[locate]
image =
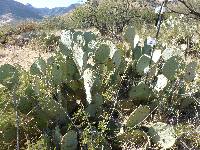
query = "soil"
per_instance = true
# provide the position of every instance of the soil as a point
(23, 56)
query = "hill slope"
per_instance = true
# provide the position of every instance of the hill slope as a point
(11, 11)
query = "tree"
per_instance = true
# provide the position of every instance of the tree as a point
(111, 16)
(189, 8)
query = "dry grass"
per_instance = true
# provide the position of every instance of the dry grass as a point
(23, 56)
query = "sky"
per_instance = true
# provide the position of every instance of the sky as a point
(50, 3)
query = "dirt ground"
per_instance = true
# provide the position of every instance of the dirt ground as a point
(24, 56)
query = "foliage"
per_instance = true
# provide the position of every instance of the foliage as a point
(96, 93)
(111, 17)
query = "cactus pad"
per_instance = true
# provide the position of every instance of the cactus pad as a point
(137, 52)
(167, 53)
(38, 67)
(147, 48)
(190, 72)
(138, 115)
(102, 54)
(143, 63)
(172, 67)
(129, 34)
(66, 38)
(140, 93)
(69, 141)
(8, 76)
(162, 134)
(88, 77)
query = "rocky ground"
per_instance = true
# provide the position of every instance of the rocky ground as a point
(24, 56)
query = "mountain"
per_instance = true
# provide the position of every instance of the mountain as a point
(12, 11)
(56, 11)
(18, 10)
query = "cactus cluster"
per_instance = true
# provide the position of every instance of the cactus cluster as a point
(81, 75)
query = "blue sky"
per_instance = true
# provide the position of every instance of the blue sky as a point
(49, 3)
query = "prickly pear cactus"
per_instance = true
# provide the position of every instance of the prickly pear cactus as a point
(25, 105)
(137, 116)
(9, 76)
(129, 35)
(140, 93)
(69, 141)
(143, 64)
(38, 67)
(162, 134)
(67, 39)
(167, 53)
(95, 106)
(172, 67)
(102, 54)
(161, 82)
(78, 38)
(190, 71)
(57, 135)
(8, 130)
(56, 74)
(137, 52)
(89, 36)
(52, 109)
(88, 77)
(147, 48)
(78, 54)
(115, 54)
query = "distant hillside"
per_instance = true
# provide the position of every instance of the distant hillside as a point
(12, 11)
(56, 11)
(18, 10)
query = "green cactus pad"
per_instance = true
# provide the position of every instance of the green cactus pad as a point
(143, 63)
(69, 141)
(79, 39)
(8, 76)
(129, 34)
(137, 116)
(117, 58)
(146, 49)
(89, 36)
(91, 110)
(95, 106)
(75, 36)
(49, 110)
(171, 67)
(7, 130)
(25, 105)
(162, 134)
(190, 72)
(29, 91)
(50, 60)
(38, 67)
(102, 54)
(140, 93)
(137, 52)
(70, 69)
(56, 73)
(57, 135)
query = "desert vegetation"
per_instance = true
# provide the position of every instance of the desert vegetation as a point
(112, 74)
